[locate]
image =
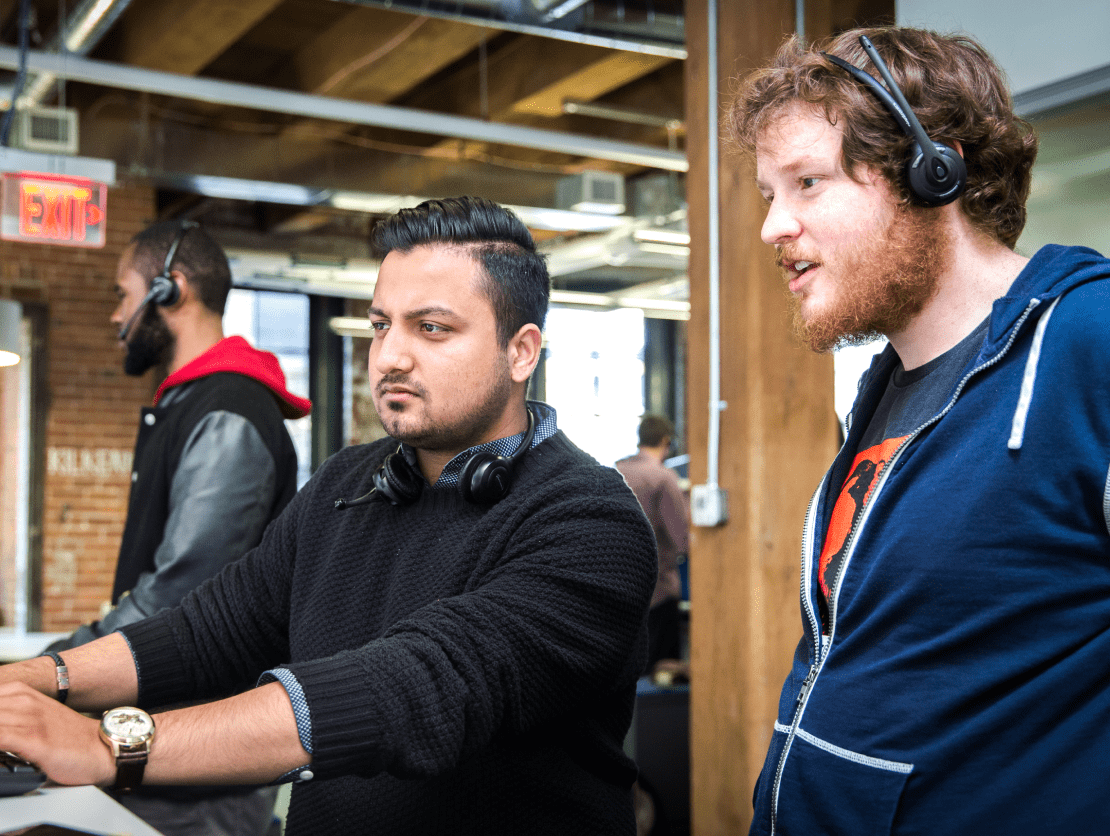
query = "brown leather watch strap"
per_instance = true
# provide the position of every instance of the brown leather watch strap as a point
(129, 770)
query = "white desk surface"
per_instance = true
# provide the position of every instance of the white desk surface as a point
(82, 808)
(16, 646)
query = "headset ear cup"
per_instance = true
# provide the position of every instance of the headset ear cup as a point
(485, 478)
(936, 187)
(397, 481)
(164, 291)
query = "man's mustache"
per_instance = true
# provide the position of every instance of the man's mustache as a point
(398, 381)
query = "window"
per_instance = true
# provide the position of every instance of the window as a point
(278, 322)
(594, 377)
(17, 483)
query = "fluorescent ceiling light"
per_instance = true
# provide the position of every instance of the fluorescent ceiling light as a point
(599, 208)
(665, 249)
(662, 236)
(652, 308)
(233, 188)
(564, 220)
(351, 326)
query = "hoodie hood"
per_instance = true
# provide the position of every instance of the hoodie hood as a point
(236, 355)
(1034, 295)
(1045, 280)
(1052, 272)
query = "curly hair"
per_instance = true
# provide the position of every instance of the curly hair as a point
(955, 89)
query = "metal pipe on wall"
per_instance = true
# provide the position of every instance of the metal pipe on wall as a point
(709, 502)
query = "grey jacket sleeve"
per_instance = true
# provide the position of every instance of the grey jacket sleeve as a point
(220, 501)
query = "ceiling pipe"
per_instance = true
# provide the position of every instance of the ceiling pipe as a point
(274, 100)
(491, 13)
(83, 29)
(622, 114)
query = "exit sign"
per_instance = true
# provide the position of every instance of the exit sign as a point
(53, 210)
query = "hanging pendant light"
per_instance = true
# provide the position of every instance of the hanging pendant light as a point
(10, 315)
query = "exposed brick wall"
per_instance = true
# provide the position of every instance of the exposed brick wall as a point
(92, 413)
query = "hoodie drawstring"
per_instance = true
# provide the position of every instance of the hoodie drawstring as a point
(1028, 381)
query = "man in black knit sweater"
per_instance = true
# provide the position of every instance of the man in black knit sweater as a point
(445, 627)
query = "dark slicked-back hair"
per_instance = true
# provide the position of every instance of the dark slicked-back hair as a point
(654, 429)
(952, 84)
(515, 276)
(198, 257)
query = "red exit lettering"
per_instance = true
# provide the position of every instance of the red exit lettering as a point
(53, 210)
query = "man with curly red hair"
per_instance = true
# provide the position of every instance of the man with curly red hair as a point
(952, 676)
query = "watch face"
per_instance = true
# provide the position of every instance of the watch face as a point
(128, 724)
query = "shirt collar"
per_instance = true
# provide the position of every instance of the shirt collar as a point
(449, 477)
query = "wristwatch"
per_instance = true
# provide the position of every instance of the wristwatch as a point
(128, 732)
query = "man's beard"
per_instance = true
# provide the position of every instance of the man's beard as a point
(465, 432)
(151, 344)
(882, 284)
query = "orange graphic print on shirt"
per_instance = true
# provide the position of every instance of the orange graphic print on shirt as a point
(866, 469)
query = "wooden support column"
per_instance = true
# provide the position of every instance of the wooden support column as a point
(778, 434)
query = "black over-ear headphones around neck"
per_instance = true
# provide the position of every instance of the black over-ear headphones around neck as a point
(163, 289)
(935, 173)
(485, 478)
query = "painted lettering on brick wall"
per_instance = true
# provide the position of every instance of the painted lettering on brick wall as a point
(82, 461)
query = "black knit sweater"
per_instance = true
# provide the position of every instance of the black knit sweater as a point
(469, 670)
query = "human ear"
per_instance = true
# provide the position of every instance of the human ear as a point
(524, 352)
(184, 291)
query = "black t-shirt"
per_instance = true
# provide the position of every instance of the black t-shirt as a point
(911, 399)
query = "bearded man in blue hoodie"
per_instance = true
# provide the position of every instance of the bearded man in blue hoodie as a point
(953, 673)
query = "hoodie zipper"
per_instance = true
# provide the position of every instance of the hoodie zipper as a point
(822, 648)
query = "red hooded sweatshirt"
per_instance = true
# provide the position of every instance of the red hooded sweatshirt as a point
(235, 354)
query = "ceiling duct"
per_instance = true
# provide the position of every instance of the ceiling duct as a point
(591, 191)
(49, 130)
(636, 243)
(82, 31)
(342, 110)
(656, 196)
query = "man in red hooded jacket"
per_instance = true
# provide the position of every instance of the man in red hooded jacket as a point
(213, 465)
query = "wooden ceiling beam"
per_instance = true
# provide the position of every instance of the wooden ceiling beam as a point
(604, 76)
(368, 55)
(522, 90)
(515, 73)
(8, 9)
(644, 84)
(376, 55)
(185, 37)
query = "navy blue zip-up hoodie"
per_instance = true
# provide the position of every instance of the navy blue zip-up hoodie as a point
(964, 687)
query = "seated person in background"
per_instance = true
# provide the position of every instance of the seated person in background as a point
(656, 487)
(447, 625)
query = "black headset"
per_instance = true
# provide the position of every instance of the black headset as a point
(935, 173)
(485, 478)
(163, 290)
